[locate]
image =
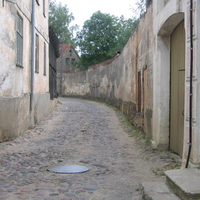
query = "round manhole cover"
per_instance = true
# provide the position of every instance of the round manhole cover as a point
(69, 169)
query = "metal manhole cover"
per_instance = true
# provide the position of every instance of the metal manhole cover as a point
(69, 169)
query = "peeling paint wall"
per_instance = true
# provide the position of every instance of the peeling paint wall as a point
(15, 114)
(11, 78)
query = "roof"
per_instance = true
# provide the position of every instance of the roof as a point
(64, 47)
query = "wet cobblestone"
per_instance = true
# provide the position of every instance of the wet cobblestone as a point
(78, 132)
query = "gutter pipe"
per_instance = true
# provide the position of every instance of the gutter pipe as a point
(61, 68)
(191, 89)
(32, 53)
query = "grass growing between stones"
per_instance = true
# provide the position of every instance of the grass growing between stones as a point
(169, 159)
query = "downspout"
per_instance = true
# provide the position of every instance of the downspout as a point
(32, 53)
(61, 68)
(191, 90)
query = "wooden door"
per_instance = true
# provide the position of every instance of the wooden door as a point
(177, 89)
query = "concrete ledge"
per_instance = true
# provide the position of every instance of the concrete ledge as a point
(185, 183)
(157, 191)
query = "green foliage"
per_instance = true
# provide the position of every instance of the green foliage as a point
(125, 30)
(60, 19)
(139, 9)
(101, 36)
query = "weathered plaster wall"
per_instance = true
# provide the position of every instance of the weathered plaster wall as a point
(167, 15)
(126, 82)
(15, 114)
(41, 81)
(13, 79)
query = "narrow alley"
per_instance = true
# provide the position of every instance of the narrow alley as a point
(86, 133)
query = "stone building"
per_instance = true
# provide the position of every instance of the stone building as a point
(155, 80)
(66, 63)
(24, 72)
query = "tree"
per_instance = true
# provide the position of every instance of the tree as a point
(101, 36)
(125, 30)
(140, 8)
(60, 19)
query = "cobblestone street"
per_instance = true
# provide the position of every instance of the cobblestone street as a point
(80, 132)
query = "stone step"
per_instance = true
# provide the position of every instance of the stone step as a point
(157, 191)
(185, 183)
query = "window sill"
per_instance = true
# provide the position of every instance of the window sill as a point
(18, 65)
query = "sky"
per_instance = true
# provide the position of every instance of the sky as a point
(82, 10)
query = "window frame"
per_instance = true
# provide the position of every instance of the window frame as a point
(36, 53)
(44, 8)
(19, 40)
(67, 61)
(45, 59)
(73, 61)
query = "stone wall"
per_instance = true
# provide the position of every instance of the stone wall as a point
(126, 82)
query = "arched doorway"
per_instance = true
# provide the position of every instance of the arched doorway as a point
(162, 83)
(177, 88)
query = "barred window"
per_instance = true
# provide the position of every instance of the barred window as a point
(45, 58)
(37, 53)
(19, 41)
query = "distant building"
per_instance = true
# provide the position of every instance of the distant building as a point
(66, 63)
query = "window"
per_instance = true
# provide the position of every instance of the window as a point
(45, 59)
(19, 41)
(37, 54)
(73, 61)
(67, 61)
(44, 8)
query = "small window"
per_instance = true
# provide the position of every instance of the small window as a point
(67, 61)
(19, 41)
(45, 59)
(38, 2)
(44, 8)
(37, 53)
(73, 61)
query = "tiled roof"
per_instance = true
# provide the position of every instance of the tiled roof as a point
(64, 47)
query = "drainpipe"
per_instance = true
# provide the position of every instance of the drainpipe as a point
(32, 54)
(191, 90)
(61, 67)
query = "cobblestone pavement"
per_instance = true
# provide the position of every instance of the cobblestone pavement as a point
(84, 133)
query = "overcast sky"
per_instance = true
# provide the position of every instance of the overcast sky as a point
(82, 10)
